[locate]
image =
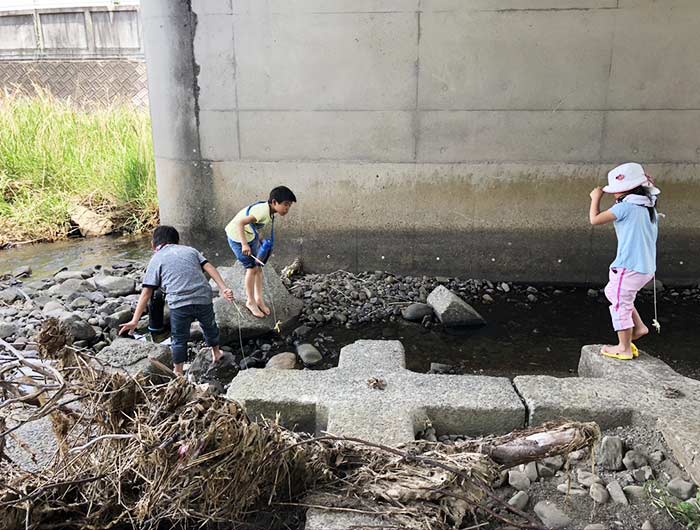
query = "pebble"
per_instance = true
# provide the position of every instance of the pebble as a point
(309, 354)
(634, 459)
(599, 494)
(587, 479)
(487, 299)
(635, 493)
(647, 525)
(566, 489)
(681, 488)
(518, 480)
(616, 493)
(610, 455)
(519, 500)
(551, 515)
(595, 526)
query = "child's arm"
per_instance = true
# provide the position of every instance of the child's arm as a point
(225, 291)
(130, 326)
(594, 214)
(245, 247)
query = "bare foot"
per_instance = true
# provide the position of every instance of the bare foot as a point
(263, 307)
(618, 351)
(639, 332)
(215, 359)
(253, 308)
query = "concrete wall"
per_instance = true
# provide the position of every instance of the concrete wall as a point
(454, 137)
(89, 53)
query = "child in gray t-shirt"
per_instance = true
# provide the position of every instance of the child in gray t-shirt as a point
(179, 271)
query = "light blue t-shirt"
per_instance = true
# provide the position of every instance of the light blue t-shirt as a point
(636, 238)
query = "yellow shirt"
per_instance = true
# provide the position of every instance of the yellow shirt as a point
(261, 212)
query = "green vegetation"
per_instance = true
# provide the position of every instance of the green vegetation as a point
(54, 155)
(686, 513)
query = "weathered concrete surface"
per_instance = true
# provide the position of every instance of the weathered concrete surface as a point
(234, 319)
(612, 393)
(343, 400)
(481, 128)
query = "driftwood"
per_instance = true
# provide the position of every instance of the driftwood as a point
(134, 454)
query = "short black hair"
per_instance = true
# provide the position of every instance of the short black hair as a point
(282, 194)
(165, 235)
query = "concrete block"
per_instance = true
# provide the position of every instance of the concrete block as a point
(652, 68)
(324, 6)
(507, 136)
(326, 135)
(180, 193)
(548, 60)
(658, 136)
(218, 132)
(215, 58)
(212, 7)
(326, 61)
(514, 5)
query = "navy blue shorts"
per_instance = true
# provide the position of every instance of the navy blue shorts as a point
(181, 319)
(247, 261)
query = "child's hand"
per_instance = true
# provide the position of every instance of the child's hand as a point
(227, 294)
(597, 193)
(246, 249)
(129, 326)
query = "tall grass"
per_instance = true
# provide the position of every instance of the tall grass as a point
(54, 154)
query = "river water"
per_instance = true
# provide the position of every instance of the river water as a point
(541, 338)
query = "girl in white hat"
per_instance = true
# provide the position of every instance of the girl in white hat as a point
(636, 225)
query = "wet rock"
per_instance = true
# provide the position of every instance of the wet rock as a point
(7, 329)
(505, 287)
(616, 493)
(309, 354)
(451, 310)
(251, 361)
(636, 493)
(202, 370)
(79, 329)
(634, 459)
(551, 515)
(519, 500)
(302, 331)
(487, 299)
(283, 361)
(115, 285)
(518, 480)
(416, 312)
(599, 494)
(610, 455)
(133, 355)
(680, 488)
(439, 368)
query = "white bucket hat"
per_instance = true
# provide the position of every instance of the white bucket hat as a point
(628, 176)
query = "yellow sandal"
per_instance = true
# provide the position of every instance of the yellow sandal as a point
(615, 355)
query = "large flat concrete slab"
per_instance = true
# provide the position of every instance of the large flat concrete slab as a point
(372, 396)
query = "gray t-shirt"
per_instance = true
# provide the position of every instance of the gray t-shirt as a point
(177, 270)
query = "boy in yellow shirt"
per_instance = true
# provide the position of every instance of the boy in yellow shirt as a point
(244, 239)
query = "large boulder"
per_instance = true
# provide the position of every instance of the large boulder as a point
(232, 317)
(90, 223)
(451, 310)
(70, 288)
(115, 285)
(133, 355)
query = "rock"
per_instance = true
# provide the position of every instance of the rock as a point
(10, 294)
(70, 287)
(530, 470)
(416, 312)
(519, 500)
(69, 275)
(232, 317)
(310, 356)
(599, 494)
(587, 479)
(566, 489)
(202, 370)
(80, 303)
(51, 307)
(531, 298)
(643, 474)
(647, 525)
(680, 488)
(634, 459)
(505, 287)
(616, 493)
(251, 361)
(7, 329)
(657, 457)
(518, 480)
(120, 317)
(487, 299)
(595, 526)
(575, 456)
(283, 361)
(439, 368)
(78, 328)
(636, 493)
(301, 331)
(610, 455)
(115, 285)
(132, 355)
(451, 310)
(551, 515)
(592, 293)
(22, 272)
(90, 223)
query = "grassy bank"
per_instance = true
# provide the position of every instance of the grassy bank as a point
(54, 155)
